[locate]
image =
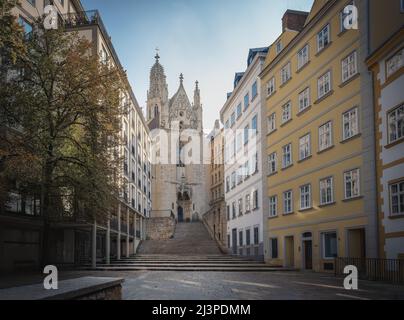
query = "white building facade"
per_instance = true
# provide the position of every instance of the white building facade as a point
(244, 193)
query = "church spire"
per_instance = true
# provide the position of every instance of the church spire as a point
(197, 95)
(181, 78)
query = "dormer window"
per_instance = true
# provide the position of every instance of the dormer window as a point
(279, 47)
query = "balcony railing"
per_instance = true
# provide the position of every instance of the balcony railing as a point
(389, 270)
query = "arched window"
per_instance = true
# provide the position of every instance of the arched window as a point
(156, 110)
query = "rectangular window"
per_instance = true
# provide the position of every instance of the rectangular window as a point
(327, 191)
(272, 123)
(323, 38)
(395, 63)
(287, 156)
(288, 202)
(247, 203)
(397, 198)
(273, 206)
(274, 248)
(227, 184)
(247, 170)
(254, 125)
(254, 90)
(286, 112)
(349, 67)
(325, 136)
(273, 163)
(305, 197)
(303, 57)
(228, 212)
(239, 111)
(285, 73)
(248, 237)
(246, 101)
(233, 180)
(324, 84)
(330, 245)
(256, 235)
(352, 184)
(233, 119)
(240, 172)
(305, 147)
(246, 134)
(271, 87)
(343, 16)
(233, 209)
(350, 124)
(255, 200)
(279, 47)
(304, 99)
(240, 207)
(396, 124)
(240, 238)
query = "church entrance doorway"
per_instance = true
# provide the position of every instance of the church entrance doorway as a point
(180, 214)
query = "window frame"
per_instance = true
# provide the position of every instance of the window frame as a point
(331, 200)
(308, 155)
(273, 206)
(389, 113)
(323, 148)
(349, 121)
(273, 163)
(320, 33)
(271, 88)
(271, 123)
(345, 63)
(286, 71)
(398, 194)
(290, 146)
(300, 63)
(323, 85)
(350, 172)
(288, 209)
(287, 107)
(303, 94)
(323, 238)
(310, 197)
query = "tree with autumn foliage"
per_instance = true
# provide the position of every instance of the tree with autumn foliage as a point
(62, 109)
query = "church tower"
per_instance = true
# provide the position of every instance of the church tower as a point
(178, 184)
(157, 97)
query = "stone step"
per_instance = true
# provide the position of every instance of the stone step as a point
(225, 263)
(191, 268)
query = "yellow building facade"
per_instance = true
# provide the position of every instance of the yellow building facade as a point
(315, 166)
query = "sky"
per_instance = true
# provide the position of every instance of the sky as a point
(206, 40)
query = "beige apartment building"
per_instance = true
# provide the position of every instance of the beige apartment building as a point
(215, 219)
(77, 242)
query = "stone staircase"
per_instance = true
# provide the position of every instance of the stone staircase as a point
(191, 249)
(189, 239)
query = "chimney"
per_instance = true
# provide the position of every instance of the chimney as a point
(294, 20)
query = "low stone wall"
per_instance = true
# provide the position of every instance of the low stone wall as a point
(160, 228)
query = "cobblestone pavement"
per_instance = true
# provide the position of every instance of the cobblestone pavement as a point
(146, 285)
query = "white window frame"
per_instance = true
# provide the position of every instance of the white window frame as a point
(305, 147)
(287, 154)
(273, 206)
(355, 185)
(395, 63)
(396, 194)
(303, 57)
(324, 84)
(287, 112)
(271, 87)
(327, 189)
(288, 202)
(304, 193)
(350, 123)
(248, 203)
(394, 122)
(273, 163)
(323, 36)
(286, 73)
(272, 123)
(349, 66)
(321, 135)
(304, 99)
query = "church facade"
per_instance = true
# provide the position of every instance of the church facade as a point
(179, 167)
